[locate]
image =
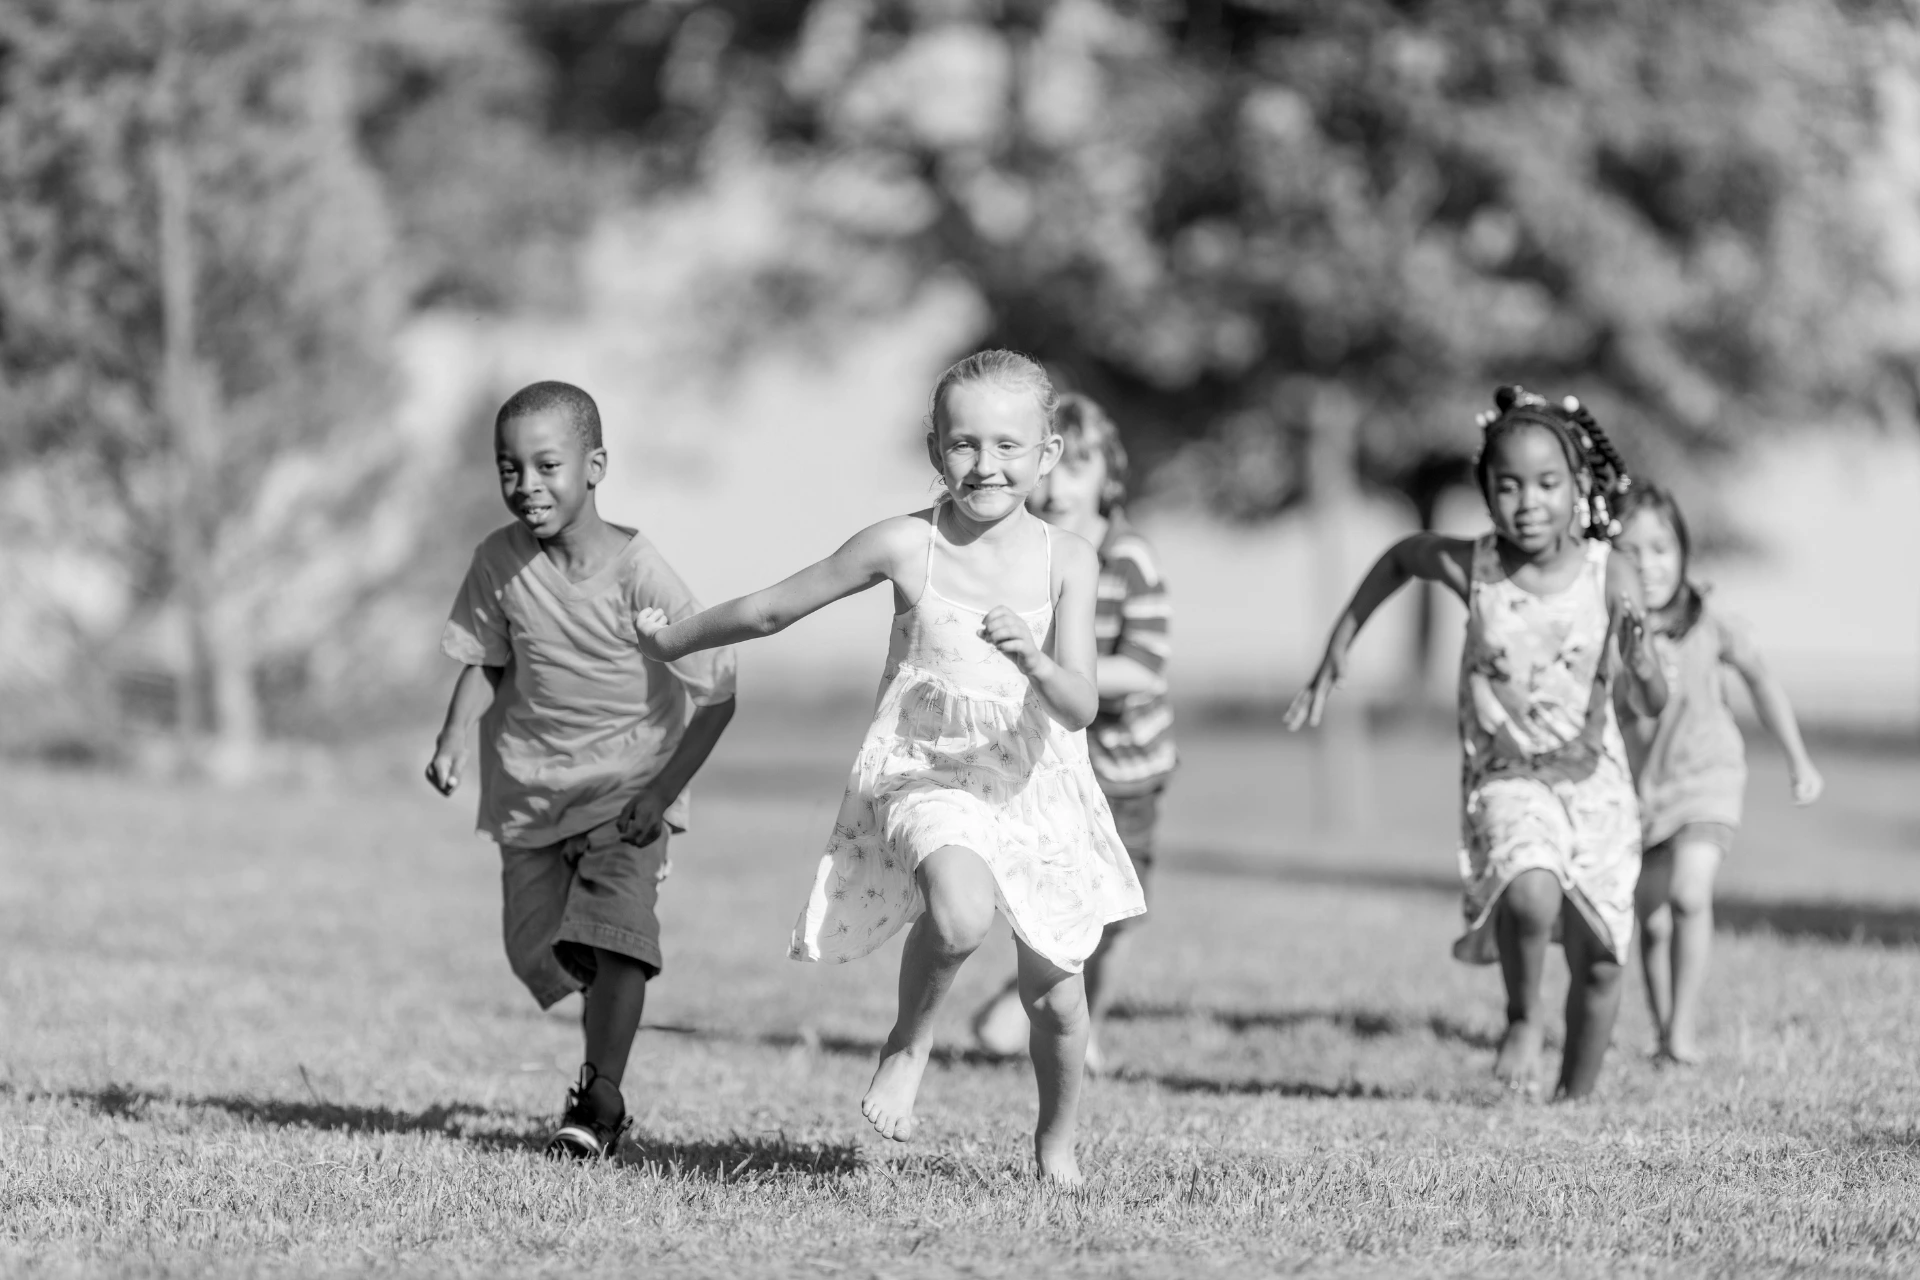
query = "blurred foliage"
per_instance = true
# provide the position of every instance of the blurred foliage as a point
(1234, 219)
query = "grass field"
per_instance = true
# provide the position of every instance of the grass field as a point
(270, 1032)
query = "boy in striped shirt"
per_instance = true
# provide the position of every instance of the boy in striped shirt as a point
(1131, 739)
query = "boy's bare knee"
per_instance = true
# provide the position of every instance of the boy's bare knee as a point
(1691, 898)
(1657, 924)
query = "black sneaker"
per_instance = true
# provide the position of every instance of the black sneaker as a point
(588, 1131)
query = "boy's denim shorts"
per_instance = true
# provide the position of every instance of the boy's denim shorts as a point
(562, 900)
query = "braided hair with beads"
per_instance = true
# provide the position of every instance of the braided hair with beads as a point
(1589, 452)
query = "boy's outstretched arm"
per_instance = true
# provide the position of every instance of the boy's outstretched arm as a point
(866, 560)
(641, 818)
(1427, 556)
(472, 695)
(1738, 650)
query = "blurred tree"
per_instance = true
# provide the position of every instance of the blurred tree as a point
(193, 336)
(1211, 213)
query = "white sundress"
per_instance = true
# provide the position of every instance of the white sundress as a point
(963, 751)
(1544, 780)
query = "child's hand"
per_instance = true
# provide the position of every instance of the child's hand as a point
(639, 823)
(448, 763)
(1005, 630)
(650, 623)
(1311, 701)
(1807, 782)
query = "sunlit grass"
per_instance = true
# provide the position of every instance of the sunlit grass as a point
(272, 1032)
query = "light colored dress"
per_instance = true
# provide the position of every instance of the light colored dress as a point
(963, 751)
(1690, 761)
(1544, 778)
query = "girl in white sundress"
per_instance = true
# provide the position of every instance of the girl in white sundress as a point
(973, 790)
(1550, 828)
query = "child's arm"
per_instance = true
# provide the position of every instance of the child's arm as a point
(1646, 684)
(1427, 556)
(472, 695)
(1738, 650)
(640, 820)
(869, 558)
(1065, 680)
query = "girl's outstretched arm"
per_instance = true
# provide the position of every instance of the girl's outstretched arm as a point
(867, 559)
(1738, 650)
(1066, 678)
(1427, 556)
(1646, 684)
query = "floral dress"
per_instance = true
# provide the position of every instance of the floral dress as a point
(1544, 778)
(963, 751)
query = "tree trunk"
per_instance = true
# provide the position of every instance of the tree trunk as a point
(1341, 756)
(218, 719)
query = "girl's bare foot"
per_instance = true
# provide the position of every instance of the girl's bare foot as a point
(888, 1105)
(1678, 1055)
(1057, 1168)
(1517, 1064)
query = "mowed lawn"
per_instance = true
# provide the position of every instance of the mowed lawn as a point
(271, 1031)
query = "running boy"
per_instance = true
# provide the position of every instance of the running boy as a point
(586, 747)
(1131, 739)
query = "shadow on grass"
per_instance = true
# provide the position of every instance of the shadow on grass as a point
(1346, 1089)
(731, 1159)
(1827, 921)
(448, 1120)
(1363, 1024)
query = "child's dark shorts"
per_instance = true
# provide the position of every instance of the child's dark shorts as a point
(1136, 819)
(562, 900)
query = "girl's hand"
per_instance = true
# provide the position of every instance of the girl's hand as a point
(1004, 629)
(1807, 782)
(449, 761)
(1311, 701)
(650, 623)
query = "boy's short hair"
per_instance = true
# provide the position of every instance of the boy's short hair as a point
(1084, 425)
(583, 415)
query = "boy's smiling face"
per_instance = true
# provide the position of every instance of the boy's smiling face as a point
(547, 472)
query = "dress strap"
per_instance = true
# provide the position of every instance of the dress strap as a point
(1047, 582)
(933, 534)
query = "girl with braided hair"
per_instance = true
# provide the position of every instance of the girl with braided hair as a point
(1550, 829)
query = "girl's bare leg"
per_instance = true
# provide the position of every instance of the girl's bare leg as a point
(959, 893)
(1056, 1004)
(1593, 1000)
(1656, 936)
(997, 1021)
(1523, 928)
(1690, 902)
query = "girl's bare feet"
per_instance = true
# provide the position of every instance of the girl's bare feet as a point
(1517, 1065)
(1057, 1168)
(888, 1105)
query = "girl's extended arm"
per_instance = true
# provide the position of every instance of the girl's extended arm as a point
(1738, 650)
(866, 560)
(1646, 684)
(1064, 679)
(1427, 556)
(472, 694)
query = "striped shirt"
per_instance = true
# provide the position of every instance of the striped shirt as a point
(1131, 739)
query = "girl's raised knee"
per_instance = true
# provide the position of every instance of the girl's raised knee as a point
(1533, 898)
(960, 922)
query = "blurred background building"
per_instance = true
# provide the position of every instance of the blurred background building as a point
(267, 266)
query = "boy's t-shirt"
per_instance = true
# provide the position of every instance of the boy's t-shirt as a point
(581, 720)
(1131, 738)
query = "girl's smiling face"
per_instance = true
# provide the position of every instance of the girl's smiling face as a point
(1654, 548)
(991, 445)
(1530, 488)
